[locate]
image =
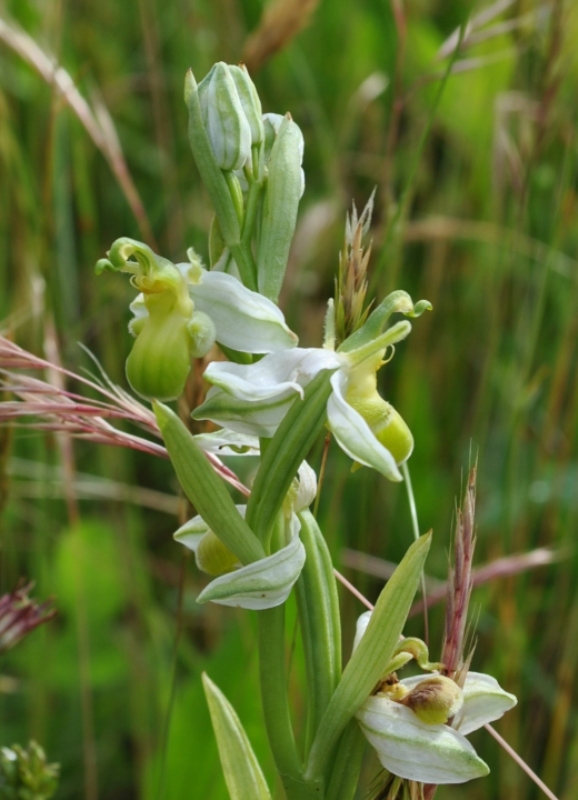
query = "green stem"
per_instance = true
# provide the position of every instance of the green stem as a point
(236, 194)
(347, 764)
(273, 679)
(241, 252)
(252, 206)
(415, 526)
(319, 621)
(287, 449)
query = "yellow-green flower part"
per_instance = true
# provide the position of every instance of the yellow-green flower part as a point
(384, 421)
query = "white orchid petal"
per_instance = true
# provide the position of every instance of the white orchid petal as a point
(245, 417)
(412, 749)
(228, 443)
(138, 307)
(307, 491)
(254, 398)
(189, 539)
(484, 701)
(263, 584)
(354, 435)
(273, 374)
(250, 382)
(244, 320)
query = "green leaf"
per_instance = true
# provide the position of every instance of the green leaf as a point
(205, 489)
(285, 452)
(367, 664)
(240, 766)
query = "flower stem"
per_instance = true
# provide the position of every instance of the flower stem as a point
(273, 679)
(319, 621)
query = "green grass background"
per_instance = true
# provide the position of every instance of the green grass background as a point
(489, 234)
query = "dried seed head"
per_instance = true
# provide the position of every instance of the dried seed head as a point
(351, 283)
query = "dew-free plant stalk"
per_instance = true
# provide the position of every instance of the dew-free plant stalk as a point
(275, 399)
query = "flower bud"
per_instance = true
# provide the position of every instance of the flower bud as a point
(271, 124)
(250, 101)
(225, 121)
(213, 557)
(434, 700)
(279, 209)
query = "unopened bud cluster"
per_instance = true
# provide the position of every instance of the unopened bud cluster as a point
(25, 773)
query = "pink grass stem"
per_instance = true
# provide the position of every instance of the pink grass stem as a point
(520, 762)
(351, 588)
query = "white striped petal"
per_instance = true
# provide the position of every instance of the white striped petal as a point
(228, 443)
(412, 749)
(262, 584)
(244, 320)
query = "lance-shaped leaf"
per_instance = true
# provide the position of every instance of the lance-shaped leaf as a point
(205, 489)
(365, 668)
(243, 775)
(415, 750)
(262, 584)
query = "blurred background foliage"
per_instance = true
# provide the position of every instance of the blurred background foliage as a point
(481, 220)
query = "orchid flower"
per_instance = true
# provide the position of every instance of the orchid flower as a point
(182, 309)
(254, 398)
(395, 722)
(261, 584)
